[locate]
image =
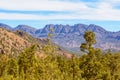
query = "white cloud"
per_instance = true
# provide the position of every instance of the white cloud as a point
(95, 15)
(15, 16)
(37, 5)
(102, 10)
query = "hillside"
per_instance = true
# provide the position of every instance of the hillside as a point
(11, 43)
(17, 41)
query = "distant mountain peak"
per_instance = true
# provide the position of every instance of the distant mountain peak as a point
(95, 28)
(5, 26)
(26, 28)
(22, 26)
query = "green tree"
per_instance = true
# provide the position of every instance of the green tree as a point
(12, 67)
(3, 64)
(28, 62)
(91, 65)
(75, 70)
(50, 47)
(111, 64)
(89, 37)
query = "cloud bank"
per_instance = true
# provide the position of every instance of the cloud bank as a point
(97, 10)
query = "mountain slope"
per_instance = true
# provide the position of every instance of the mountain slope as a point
(11, 43)
(17, 41)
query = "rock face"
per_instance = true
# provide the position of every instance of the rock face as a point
(71, 36)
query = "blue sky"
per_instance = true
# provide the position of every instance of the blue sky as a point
(38, 13)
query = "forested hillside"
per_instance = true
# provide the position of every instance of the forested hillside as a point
(93, 65)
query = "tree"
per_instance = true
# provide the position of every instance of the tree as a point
(89, 37)
(3, 64)
(28, 62)
(12, 67)
(50, 47)
(91, 65)
(75, 70)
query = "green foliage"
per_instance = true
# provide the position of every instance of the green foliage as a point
(89, 37)
(50, 48)
(3, 64)
(92, 66)
(12, 67)
(95, 65)
(27, 61)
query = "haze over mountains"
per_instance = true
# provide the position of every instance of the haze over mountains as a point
(71, 36)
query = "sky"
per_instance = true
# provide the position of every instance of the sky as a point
(38, 13)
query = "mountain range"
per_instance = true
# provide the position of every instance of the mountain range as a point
(71, 36)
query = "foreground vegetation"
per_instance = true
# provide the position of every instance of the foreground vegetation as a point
(94, 65)
(91, 66)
